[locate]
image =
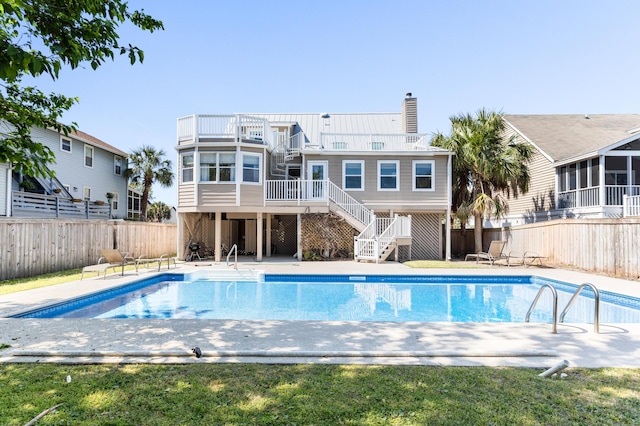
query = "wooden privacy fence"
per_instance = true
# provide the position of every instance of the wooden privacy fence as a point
(38, 246)
(607, 246)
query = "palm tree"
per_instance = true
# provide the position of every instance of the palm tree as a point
(158, 212)
(488, 168)
(146, 166)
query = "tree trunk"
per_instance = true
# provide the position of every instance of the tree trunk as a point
(477, 232)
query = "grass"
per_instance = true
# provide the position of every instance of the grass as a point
(244, 394)
(45, 280)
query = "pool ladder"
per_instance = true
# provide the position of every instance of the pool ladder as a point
(234, 250)
(554, 327)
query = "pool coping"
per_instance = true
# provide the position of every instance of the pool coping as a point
(160, 341)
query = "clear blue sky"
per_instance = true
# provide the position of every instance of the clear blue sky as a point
(234, 56)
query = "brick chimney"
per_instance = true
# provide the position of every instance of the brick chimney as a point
(410, 114)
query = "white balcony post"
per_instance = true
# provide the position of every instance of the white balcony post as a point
(602, 187)
(196, 118)
(625, 205)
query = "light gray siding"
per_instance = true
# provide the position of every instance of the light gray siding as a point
(5, 190)
(541, 194)
(70, 170)
(401, 200)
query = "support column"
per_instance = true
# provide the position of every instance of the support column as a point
(218, 237)
(267, 218)
(180, 236)
(259, 229)
(299, 236)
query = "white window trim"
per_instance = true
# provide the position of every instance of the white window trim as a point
(259, 182)
(121, 165)
(182, 168)
(344, 175)
(115, 200)
(217, 181)
(84, 192)
(84, 156)
(64, 138)
(433, 173)
(397, 163)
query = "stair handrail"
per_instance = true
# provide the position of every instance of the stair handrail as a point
(554, 328)
(349, 204)
(386, 237)
(596, 298)
(234, 249)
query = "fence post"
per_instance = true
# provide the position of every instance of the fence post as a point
(625, 205)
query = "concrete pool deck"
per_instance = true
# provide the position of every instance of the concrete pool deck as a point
(447, 344)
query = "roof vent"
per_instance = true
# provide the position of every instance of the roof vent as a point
(586, 116)
(632, 131)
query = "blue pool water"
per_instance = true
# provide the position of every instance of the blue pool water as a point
(344, 297)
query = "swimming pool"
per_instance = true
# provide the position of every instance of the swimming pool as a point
(457, 298)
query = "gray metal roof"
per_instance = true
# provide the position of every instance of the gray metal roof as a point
(562, 137)
(312, 124)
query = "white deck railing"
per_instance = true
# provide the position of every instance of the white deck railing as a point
(590, 197)
(631, 205)
(240, 127)
(372, 142)
(379, 235)
(303, 190)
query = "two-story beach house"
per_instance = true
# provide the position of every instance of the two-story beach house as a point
(364, 186)
(584, 166)
(89, 181)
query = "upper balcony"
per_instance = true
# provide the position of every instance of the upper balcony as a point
(230, 128)
(251, 129)
(372, 142)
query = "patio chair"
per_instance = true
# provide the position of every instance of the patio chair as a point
(492, 254)
(115, 258)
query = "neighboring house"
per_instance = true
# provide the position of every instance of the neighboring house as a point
(583, 166)
(89, 177)
(307, 184)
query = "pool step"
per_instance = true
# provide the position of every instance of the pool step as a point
(229, 274)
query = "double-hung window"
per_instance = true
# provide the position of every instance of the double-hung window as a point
(117, 165)
(88, 156)
(251, 168)
(423, 175)
(227, 167)
(208, 166)
(388, 179)
(353, 175)
(65, 144)
(186, 165)
(217, 167)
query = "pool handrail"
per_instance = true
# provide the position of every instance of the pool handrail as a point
(554, 327)
(596, 298)
(234, 249)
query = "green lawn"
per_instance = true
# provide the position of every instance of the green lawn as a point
(249, 394)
